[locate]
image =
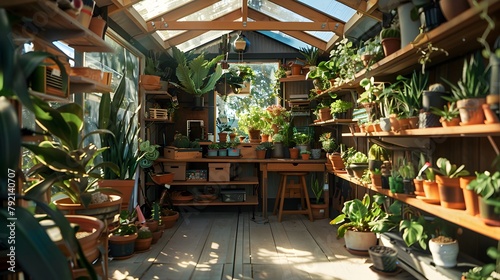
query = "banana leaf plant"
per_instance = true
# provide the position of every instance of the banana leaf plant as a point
(36, 254)
(196, 76)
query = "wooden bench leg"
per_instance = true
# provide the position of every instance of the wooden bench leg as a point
(282, 198)
(306, 194)
(278, 195)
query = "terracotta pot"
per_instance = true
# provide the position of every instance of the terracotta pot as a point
(264, 137)
(305, 156)
(337, 162)
(419, 187)
(294, 153)
(242, 138)
(452, 122)
(431, 190)
(125, 187)
(163, 178)
(451, 196)
(98, 26)
(394, 123)
(296, 69)
(222, 136)
(390, 45)
(452, 8)
(169, 218)
(404, 123)
(318, 211)
(254, 135)
(376, 180)
(489, 115)
(261, 154)
(471, 111)
(470, 197)
(142, 244)
(89, 243)
(325, 114)
(156, 236)
(358, 169)
(152, 225)
(102, 211)
(413, 122)
(366, 59)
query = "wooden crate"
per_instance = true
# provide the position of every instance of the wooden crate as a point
(178, 153)
(247, 150)
(155, 113)
(218, 172)
(179, 170)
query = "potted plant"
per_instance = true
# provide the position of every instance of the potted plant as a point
(278, 145)
(252, 120)
(261, 150)
(156, 216)
(369, 98)
(433, 97)
(358, 163)
(122, 239)
(339, 106)
(195, 75)
(384, 258)
(232, 149)
(371, 51)
(305, 154)
(387, 107)
(16, 67)
(470, 91)
(450, 193)
(487, 186)
(376, 177)
(360, 220)
(301, 139)
(311, 55)
(487, 271)
(143, 240)
(376, 156)
(229, 82)
(213, 150)
(407, 172)
(223, 149)
(318, 207)
(449, 115)
(390, 39)
(410, 96)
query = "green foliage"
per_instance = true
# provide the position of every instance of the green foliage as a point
(317, 190)
(182, 141)
(328, 143)
(392, 32)
(156, 211)
(487, 271)
(310, 53)
(450, 170)
(448, 112)
(252, 119)
(372, 91)
(363, 215)
(122, 141)
(473, 83)
(194, 75)
(301, 138)
(144, 233)
(410, 93)
(377, 152)
(340, 106)
(213, 146)
(407, 170)
(486, 185)
(358, 157)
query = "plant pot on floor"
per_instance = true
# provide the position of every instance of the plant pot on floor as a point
(360, 241)
(384, 258)
(105, 211)
(169, 217)
(125, 187)
(142, 244)
(318, 211)
(121, 247)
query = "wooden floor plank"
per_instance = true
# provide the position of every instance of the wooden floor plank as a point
(262, 247)
(219, 248)
(209, 272)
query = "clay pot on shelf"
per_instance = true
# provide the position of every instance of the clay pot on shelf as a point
(390, 45)
(487, 212)
(470, 197)
(450, 193)
(294, 153)
(452, 8)
(489, 115)
(431, 190)
(419, 187)
(471, 111)
(452, 122)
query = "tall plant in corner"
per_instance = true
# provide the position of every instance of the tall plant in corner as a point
(123, 141)
(35, 252)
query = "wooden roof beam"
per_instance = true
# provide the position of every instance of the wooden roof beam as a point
(366, 7)
(251, 25)
(184, 10)
(308, 39)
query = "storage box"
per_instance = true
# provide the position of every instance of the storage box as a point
(48, 80)
(218, 172)
(196, 175)
(233, 195)
(179, 170)
(178, 153)
(247, 150)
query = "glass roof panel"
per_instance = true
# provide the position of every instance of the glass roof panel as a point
(149, 9)
(277, 12)
(214, 11)
(285, 39)
(202, 39)
(332, 8)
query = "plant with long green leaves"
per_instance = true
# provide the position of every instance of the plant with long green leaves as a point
(317, 190)
(364, 215)
(450, 170)
(448, 113)
(36, 253)
(410, 93)
(473, 82)
(195, 76)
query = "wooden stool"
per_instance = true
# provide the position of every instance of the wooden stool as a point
(304, 195)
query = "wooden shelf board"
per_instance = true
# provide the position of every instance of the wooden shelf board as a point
(158, 120)
(242, 181)
(466, 130)
(84, 84)
(459, 217)
(48, 97)
(158, 94)
(334, 122)
(251, 200)
(293, 78)
(58, 26)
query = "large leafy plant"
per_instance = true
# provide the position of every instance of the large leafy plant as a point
(364, 215)
(36, 253)
(195, 76)
(410, 93)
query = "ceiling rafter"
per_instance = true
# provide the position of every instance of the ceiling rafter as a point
(185, 36)
(300, 35)
(184, 10)
(366, 7)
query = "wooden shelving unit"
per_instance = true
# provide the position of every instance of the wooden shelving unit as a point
(53, 24)
(251, 200)
(83, 84)
(335, 122)
(459, 217)
(455, 131)
(294, 78)
(240, 181)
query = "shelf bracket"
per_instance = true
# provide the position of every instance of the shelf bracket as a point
(493, 144)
